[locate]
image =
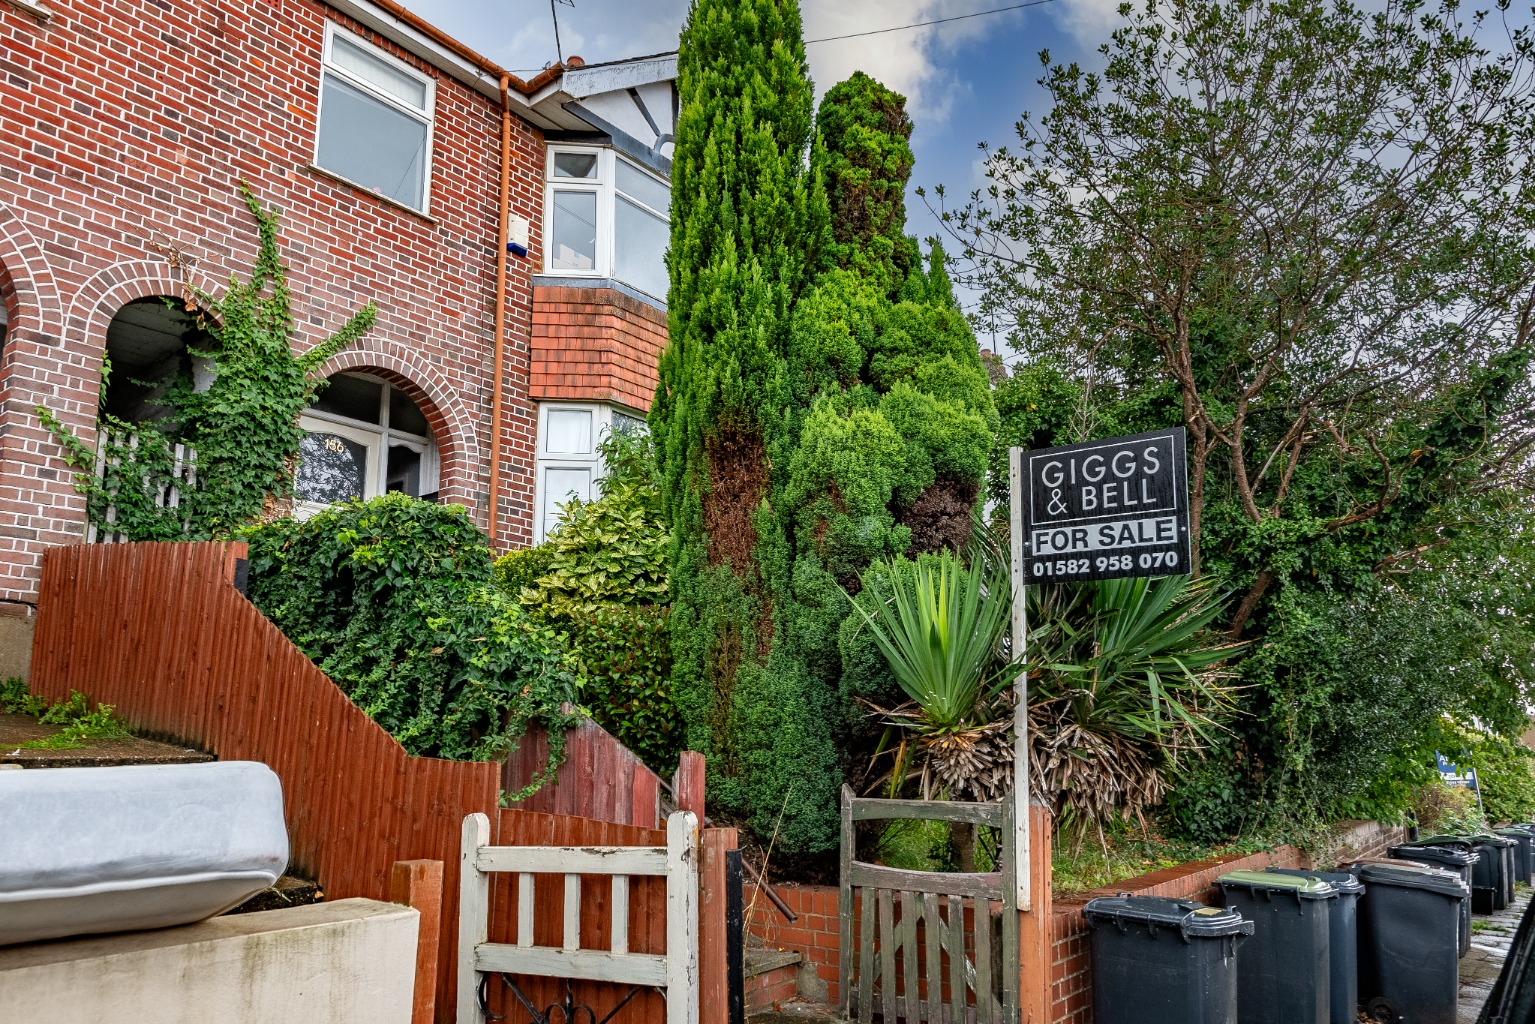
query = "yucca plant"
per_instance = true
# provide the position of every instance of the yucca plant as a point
(1125, 677)
(939, 623)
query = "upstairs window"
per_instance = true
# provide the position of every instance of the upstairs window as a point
(375, 120)
(606, 217)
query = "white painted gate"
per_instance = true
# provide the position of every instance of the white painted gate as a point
(674, 973)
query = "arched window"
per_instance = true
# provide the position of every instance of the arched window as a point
(363, 437)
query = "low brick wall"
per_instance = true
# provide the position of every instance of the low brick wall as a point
(1071, 973)
(771, 988)
(816, 934)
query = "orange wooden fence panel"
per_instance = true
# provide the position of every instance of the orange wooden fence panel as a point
(599, 778)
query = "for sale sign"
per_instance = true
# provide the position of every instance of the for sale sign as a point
(1106, 509)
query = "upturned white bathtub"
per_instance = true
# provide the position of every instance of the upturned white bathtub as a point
(86, 850)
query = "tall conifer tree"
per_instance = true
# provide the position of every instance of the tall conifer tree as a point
(742, 215)
(817, 387)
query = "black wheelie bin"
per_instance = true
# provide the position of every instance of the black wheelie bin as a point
(1524, 851)
(1409, 925)
(1503, 895)
(1162, 961)
(1460, 858)
(1342, 940)
(1284, 973)
(1490, 886)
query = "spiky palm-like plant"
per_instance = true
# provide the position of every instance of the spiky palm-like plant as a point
(1125, 677)
(939, 625)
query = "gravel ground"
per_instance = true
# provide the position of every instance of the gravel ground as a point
(1490, 938)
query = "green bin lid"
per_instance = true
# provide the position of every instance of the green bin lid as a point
(1192, 920)
(1301, 886)
(1345, 883)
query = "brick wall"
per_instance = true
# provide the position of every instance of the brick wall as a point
(771, 988)
(126, 125)
(595, 344)
(816, 935)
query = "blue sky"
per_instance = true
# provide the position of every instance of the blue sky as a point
(965, 81)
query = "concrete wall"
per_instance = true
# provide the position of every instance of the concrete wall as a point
(351, 960)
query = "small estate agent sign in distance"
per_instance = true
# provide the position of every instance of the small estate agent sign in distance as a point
(1101, 510)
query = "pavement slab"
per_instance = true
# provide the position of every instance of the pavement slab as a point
(1491, 935)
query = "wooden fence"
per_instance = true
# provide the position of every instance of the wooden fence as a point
(160, 632)
(167, 493)
(599, 778)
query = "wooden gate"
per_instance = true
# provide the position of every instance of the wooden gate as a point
(929, 945)
(674, 973)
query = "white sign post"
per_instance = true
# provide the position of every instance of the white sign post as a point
(1101, 510)
(1022, 859)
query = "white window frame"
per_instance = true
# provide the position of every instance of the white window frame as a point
(603, 418)
(606, 187)
(378, 437)
(427, 116)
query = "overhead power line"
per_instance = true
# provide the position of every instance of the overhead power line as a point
(924, 24)
(880, 31)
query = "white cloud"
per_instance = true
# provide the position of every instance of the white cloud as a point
(1088, 21)
(910, 61)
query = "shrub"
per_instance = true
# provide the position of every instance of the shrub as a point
(599, 583)
(610, 551)
(623, 657)
(1447, 810)
(1504, 772)
(517, 570)
(393, 599)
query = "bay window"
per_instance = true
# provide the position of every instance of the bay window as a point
(569, 465)
(606, 217)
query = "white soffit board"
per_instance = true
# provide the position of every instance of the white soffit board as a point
(620, 75)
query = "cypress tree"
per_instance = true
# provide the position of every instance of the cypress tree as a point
(744, 221)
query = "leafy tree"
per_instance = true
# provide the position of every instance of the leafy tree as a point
(1310, 227)
(243, 425)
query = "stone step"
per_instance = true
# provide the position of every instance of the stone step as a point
(759, 960)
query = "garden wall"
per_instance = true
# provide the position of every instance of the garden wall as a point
(815, 935)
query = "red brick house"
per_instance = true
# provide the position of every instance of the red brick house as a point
(391, 150)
